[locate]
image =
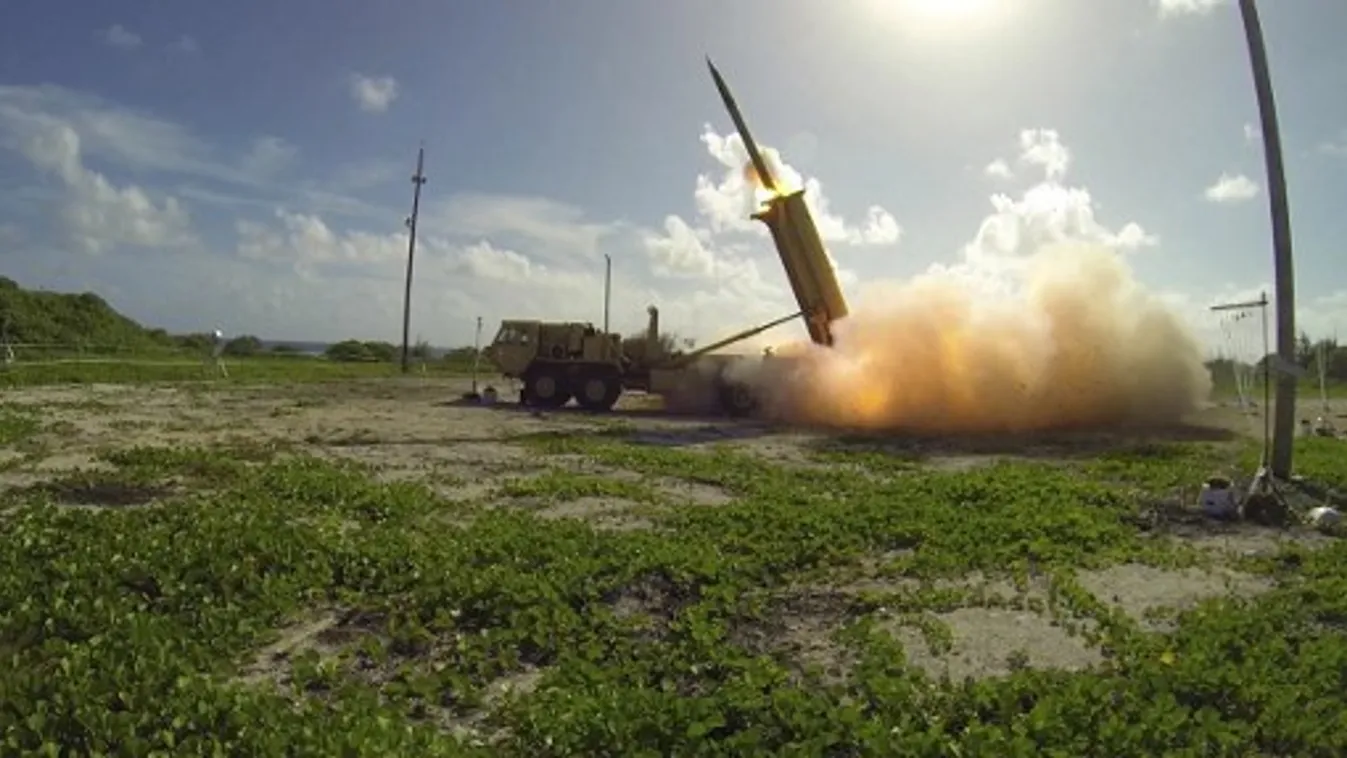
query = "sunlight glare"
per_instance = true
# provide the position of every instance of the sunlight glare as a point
(947, 9)
(943, 13)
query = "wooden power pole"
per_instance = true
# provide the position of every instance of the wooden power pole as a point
(418, 179)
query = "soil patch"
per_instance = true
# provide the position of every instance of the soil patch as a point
(1141, 591)
(799, 629)
(988, 642)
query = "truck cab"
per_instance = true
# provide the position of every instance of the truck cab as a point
(558, 360)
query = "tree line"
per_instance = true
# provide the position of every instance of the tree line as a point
(1308, 352)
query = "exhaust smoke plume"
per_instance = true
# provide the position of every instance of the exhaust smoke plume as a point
(1077, 343)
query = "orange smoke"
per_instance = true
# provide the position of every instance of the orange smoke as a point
(1081, 345)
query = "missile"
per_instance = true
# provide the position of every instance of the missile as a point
(759, 164)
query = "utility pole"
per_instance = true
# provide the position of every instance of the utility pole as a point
(418, 179)
(607, 288)
(1283, 432)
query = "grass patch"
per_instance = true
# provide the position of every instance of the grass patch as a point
(149, 369)
(18, 424)
(135, 630)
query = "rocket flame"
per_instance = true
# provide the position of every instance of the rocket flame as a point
(1082, 345)
(761, 194)
(751, 176)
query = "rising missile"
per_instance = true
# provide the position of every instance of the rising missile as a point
(759, 164)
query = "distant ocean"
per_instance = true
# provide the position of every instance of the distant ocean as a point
(304, 348)
(318, 348)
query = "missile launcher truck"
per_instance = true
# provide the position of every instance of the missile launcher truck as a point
(558, 361)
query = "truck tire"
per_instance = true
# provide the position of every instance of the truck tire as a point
(736, 399)
(544, 390)
(598, 392)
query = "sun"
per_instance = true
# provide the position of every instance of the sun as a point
(945, 14)
(947, 10)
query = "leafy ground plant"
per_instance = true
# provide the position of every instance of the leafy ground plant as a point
(274, 604)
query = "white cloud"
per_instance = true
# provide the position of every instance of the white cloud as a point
(727, 204)
(364, 174)
(998, 169)
(1231, 188)
(185, 43)
(145, 144)
(881, 228)
(1048, 212)
(1188, 7)
(306, 241)
(1044, 148)
(1252, 134)
(680, 250)
(268, 155)
(374, 94)
(1336, 146)
(96, 214)
(554, 226)
(120, 37)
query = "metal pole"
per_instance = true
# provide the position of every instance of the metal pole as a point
(418, 179)
(607, 288)
(1267, 379)
(476, 354)
(1283, 436)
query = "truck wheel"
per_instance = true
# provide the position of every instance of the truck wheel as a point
(598, 393)
(544, 391)
(737, 399)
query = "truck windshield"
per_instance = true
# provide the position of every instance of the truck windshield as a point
(511, 335)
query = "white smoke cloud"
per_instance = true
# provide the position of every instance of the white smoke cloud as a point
(1040, 324)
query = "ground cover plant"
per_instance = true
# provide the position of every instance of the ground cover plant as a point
(185, 367)
(378, 572)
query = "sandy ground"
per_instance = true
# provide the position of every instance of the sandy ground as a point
(420, 429)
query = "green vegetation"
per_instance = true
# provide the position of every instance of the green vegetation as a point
(58, 338)
(255, 370)
(411, 625)
(355, 351)
(31, 316)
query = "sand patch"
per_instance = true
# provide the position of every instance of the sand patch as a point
(988, 642)
(1140, 591)
(607, 513)
(684, 492)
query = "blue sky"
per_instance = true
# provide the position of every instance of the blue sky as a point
(246, 165)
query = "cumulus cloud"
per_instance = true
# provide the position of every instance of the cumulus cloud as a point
(268, 155)
(1048, 212)
(1044, 148)
(97, 214)
(1336, 146)
(1188, 7)
(1231, 188)
(998, 169)
(373, 94)
(185, 43)
(726, 203)
(120, 37)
